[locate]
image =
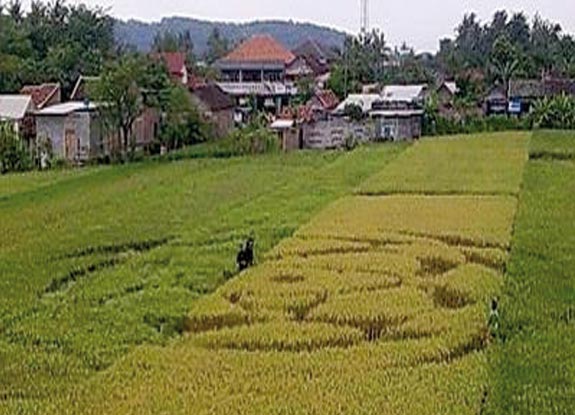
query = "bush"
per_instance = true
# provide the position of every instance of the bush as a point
(255, 138)
(182, 125)
(13, 153)
(554, 113)
(437, 125)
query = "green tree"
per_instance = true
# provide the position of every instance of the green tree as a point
(409, 68)
(305, 90)
(469, 42)
(504, 61)
(519, 32)
(566, 58)
(15, 11)
(52, 42)
(166, 42)
(126, 87)
(175, 42)
(218, 46)
(363, 61)
(557, 112)
(448, 59)
(182, 125)
(14, 46)
(545, 38)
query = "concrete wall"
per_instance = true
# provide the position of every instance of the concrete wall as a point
(331, 134)
(80, 127)
(398, 128)
(52, 128)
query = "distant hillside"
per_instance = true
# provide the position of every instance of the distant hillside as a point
(141, 35)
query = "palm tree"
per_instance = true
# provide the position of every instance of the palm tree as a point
(504, 72)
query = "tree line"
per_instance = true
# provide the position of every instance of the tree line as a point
(480, 55)
(53, 41)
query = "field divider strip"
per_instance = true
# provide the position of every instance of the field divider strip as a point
(436, 194)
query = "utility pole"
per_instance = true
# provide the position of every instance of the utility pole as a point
(364, 25)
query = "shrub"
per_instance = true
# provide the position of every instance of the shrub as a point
(472, 124)
(554, 113)
(13, 153)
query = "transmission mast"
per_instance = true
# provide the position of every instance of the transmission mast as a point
(364, 16)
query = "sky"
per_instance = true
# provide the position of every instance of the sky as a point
(419, 23)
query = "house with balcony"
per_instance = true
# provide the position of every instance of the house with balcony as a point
(260, 74)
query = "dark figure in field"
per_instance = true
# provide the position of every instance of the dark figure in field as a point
(494, 318)
(245, 257)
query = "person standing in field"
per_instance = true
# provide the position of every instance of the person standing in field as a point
(246, 257)
(494, 319)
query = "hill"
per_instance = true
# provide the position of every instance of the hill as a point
(141, 34)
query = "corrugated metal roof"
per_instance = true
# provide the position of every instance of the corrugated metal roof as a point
(364, 101)
(390, 93)
(282, 124)
(15, 107)
(403, 93)
(67, 108)
(396, 113)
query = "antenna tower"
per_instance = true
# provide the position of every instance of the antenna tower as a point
(364, 16)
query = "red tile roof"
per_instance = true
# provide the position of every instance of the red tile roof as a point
(260, 48)
(175, 61)
(328, 99)
(301, 113)
(40, 93)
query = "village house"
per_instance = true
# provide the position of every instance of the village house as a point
(290, 133)
(318, 57)
(298, 69)
(175, 63)
(147, 125)
(446, 94)
(74, 130)
(397, 112)
(496, 102)
(524, 92)
(18, 111)
(259, 74)
(216, 107)
(42, 96)
(311, 126)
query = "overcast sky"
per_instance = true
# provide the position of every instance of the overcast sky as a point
(420, 23)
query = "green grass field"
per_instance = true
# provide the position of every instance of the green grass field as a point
(458, 165)
(104, 269)
(534, 369)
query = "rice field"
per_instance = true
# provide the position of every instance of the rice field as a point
(373, 295)
(95, 264)
(379, 304)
